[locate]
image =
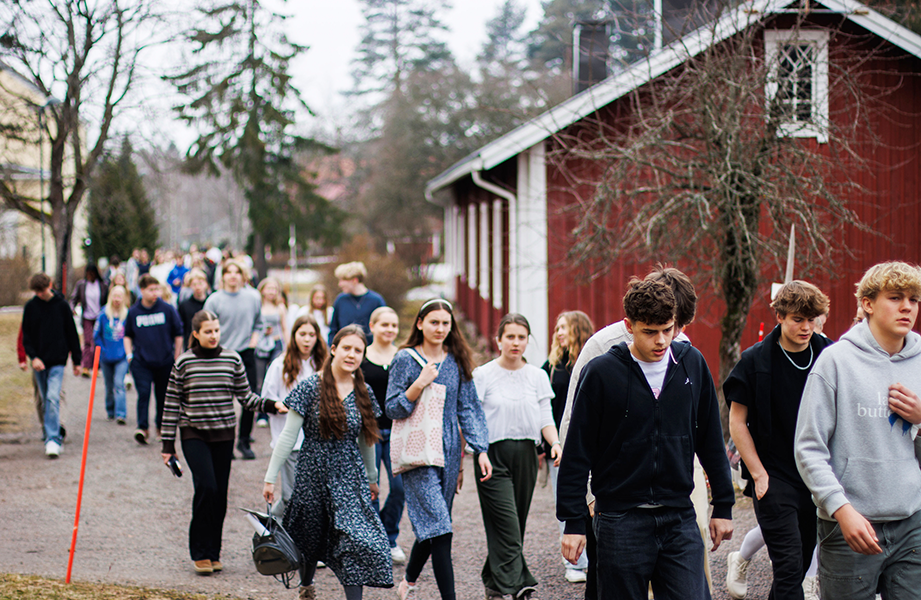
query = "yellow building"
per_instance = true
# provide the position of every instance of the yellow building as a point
(21, 170)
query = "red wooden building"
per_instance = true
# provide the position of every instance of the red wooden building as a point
(507, 235)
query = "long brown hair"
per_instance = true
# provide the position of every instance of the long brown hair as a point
(454, 343)
(291, 367)
(580, 329)
(332, 411)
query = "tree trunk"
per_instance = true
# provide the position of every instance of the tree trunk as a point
(62, 229)
(259, 263)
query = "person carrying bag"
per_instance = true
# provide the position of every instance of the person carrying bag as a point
(417, 441)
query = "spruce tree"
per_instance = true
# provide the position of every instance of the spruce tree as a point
(240, 97)
(121, 217)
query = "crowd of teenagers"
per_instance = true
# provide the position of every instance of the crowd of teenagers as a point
(627, 418)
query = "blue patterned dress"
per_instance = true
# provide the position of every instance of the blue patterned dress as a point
(430, 490)
(330, 515)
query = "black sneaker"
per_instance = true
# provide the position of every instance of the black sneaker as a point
(246, 451)
(63, 433)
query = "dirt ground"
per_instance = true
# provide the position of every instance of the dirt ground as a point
(135, 514)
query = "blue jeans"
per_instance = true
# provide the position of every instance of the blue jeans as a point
(145, 378)
(49, 386)
(393, 507)
(896, 573)
(114, 374)
(658, 545)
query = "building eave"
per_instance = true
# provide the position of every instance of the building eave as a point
(604, 93)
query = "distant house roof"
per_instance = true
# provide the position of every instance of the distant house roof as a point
(658, 63)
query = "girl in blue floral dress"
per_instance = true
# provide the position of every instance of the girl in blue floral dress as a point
(330, 515)
(436, 339)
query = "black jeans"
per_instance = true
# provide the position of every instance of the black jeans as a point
(786, 514)
(246, 416)
(210, 466)
(661, 546)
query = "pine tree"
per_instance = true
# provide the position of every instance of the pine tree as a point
(399, 37)
(241, 97)
(121, 217)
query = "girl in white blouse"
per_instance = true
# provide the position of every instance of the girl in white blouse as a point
(305, 355)
(516, 399)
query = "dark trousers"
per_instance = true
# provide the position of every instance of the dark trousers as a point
(392, 511)
(661, 546)
(146, 377)
(246, 416)
(505, 500)
(210, 466)
(786, 515)
(591, 551)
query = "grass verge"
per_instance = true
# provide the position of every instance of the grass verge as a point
(28, 587)
(17, 411)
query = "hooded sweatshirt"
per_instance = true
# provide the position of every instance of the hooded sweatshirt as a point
(640, 449)
(850, 448)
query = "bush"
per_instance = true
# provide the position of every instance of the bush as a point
(387, 275)
(14, 281)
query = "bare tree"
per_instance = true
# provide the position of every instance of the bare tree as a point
(709, 165)
(85, 52)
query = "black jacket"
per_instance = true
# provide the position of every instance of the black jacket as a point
(639, 449)
(751, 379)
(49, 332)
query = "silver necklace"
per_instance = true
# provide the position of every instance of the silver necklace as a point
(811, 356)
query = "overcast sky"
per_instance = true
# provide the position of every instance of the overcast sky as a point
(331, 29)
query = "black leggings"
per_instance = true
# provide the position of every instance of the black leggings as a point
(439, 548)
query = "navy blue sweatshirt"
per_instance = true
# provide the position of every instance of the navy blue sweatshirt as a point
(639, 449)
(49, 332)
(153, 332)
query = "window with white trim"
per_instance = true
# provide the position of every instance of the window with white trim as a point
(797, 82)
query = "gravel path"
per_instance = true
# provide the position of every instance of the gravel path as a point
(135, 515)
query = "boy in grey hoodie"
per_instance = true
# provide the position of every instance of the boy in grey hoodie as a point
(857, 445)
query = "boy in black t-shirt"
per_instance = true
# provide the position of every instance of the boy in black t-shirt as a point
(764, 392)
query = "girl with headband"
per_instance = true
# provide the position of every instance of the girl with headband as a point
(437, 341)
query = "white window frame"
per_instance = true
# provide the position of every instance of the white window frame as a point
(773, 40)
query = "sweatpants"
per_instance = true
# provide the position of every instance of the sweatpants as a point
(505, 500)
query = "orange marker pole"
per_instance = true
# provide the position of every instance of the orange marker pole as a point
(86, 444)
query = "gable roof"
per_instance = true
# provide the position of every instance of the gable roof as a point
(581, 105)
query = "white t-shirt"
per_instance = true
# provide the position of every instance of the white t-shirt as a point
(655, 371)
(274, 388)
(516, 403)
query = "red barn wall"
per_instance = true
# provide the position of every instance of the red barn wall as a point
(888, 203)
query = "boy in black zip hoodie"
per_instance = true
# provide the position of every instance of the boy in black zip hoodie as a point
(641, 413)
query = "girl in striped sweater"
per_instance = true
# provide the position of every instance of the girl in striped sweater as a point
(199, 401)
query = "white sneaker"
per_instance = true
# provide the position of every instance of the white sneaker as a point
(811, 588)
(398, 556)
(52, 449)
(576, 576)
(737, 576)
